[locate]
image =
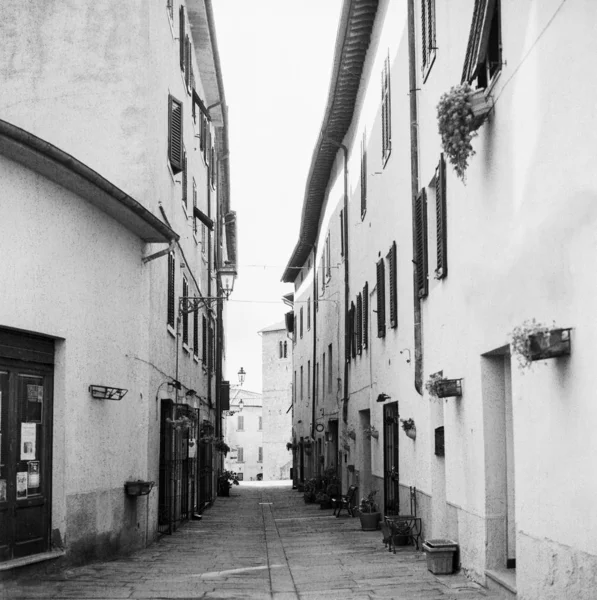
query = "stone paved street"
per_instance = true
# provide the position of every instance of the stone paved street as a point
(262, 542)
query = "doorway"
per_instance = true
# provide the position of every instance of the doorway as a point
(390, 459)
(25, 444)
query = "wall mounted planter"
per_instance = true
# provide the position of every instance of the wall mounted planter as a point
(138, 488)
(411, 433)
(481, 106)
(550, 344)
(448, 388)
(103, 392)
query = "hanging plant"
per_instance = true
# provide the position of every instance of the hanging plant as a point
(370, 432)
(440, 387)
(460, 112)
(409, 428)
(221, 446)
(534, 341)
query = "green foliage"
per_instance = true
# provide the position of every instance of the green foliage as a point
(368, 504)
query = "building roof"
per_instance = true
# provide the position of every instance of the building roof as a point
(275, 327)
(64, 169)
(352, 42)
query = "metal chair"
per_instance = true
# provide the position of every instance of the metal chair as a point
(345, 502)
(403, 527)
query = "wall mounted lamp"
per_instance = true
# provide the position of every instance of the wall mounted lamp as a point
(226, 277)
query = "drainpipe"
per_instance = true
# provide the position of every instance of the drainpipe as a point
(314, 361)
(414, 170)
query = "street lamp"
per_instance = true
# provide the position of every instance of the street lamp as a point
(241, 376)
(226, 277)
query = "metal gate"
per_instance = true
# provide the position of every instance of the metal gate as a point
(390, 459)
(178, 489)
(205, 469)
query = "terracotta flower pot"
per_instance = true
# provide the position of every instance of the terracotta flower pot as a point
(369, 521)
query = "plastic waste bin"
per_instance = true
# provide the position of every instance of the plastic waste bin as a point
(440, 555)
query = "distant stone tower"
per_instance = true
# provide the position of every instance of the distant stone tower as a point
(276, 365)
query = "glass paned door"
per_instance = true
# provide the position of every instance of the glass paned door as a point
(390, 457)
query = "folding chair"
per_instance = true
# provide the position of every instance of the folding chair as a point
(346, 502)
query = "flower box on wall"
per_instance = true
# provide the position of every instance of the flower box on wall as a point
(549, 344)
(448, 388)
(481, 105)
(138, 488)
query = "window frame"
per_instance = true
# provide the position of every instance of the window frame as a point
(428, 37)
(175, 134)
(421, 259)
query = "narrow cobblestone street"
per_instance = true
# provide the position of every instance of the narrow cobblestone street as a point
(261, 542)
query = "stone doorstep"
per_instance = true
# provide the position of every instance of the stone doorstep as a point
(15, 563)
(502, 580)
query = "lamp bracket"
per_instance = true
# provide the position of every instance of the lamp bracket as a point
(189, 304)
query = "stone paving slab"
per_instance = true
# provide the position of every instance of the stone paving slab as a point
(263, 542)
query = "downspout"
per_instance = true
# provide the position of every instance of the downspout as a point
(314, 361)
(414, 170)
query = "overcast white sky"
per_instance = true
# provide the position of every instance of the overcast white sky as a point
(276, 58)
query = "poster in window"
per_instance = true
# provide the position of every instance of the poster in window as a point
(22, 484)
(35, 393)
(2, 490)
(33, 476)
(28, 441)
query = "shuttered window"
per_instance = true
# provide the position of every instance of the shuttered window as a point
(194, 207)
(196, 334)
(363, 176)
(393, 286)
(240, 453)
(359, 324)
(353, 330)
(204, 340)
(211, 349)
(187, 61)
(342, 232)
(381, 299)
(184, 177)
(421, 262)
(428, 45)
(330, 370)
(260, 453)
(308, 314)
(185, 316)
(181, 37)
(439, 442)
(171, 282)
(202, 134)
(175, 151)
(386, 115)
(301, 322)
(441, 270)
(366, 315)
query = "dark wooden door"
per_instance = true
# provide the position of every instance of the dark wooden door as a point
(390, 459)
(25, 458)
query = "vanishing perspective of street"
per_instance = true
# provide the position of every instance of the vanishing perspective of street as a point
(261, 542)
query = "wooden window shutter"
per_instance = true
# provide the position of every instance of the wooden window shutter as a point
(185, 316)
(365, 315)
(171, 282)
(478, 40)
(196, 333)
(181, 37)
(175, 151)
(363, 176)
(342, 232)
(441, 220)
(428, 45)
(184, 178)
(359, 323)
(187, 57)
(393, 286)
(194, 206)
(421, 261)
(353, 341)
(204, 340)
(202, 133)
(386, 117)
(381, 300)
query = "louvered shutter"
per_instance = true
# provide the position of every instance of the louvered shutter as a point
(365, 315)
(363, 176)
(171, 282)
(196, 333)
(359, 323)
(393, 286)
(476, 49)
(187, 57)
(424, 36)
(349, 334)
(383, 115)
(353, 342)
(204, 340)
(441, 220)
(184, 178)
(421, 261)
(342, 232)
(202, 134)
(185, 316)
(181, 37)
(175, 150)
(381, 299)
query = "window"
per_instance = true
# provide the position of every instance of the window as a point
(328, 257)
(260, 424)
(359, 324)
(260, 455)
(365, 315)
(196, 334)
(240, 424)
(184, 177)
(381, 299)
(203, 238)
(181, 37)
(363, 176)
(308, 314)
(439, 442)
(171, 302)
(301, 396)
(185, 316)
(427, 36)
(301, 322)
(294, 388)
(194, 207)
(323, 375)
(213, 167)
(170, 7)
(281, 350)
(308, 380)
(316, 382)
(240, 454)
(187, 65)
(330, 371)
(204, 340)
(175, 151)
(285, 349)
(441, 269)
(483, 60)
(393, 286)
(202, 134)
(354, 329)
(421, 263)
(212, 349)
(386, 117)
(342, 232)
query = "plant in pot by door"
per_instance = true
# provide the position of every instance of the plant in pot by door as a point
(310, 490)
(225, 481)
(368, 512)
(533, 341)
(460, 112)
(409, 428)
(370, 432)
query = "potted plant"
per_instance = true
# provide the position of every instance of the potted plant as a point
(409, 428)
(310, 490)
(440, 387)
(534, 341)
(221, 446)
(371, 432)
(138, 488)
(225, 481)
(460, 112)
(368, 512)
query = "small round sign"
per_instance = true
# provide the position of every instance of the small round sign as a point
(320, 427)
